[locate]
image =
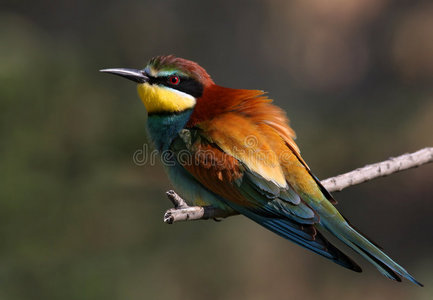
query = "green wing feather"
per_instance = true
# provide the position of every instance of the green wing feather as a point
(280, 210)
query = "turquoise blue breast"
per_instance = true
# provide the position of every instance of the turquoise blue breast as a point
(163, 128)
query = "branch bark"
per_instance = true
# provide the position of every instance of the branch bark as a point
(183, 212)
(384, 168)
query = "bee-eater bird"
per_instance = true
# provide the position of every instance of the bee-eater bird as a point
(234, 150)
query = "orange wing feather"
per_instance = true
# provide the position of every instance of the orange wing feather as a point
(217, 171)
(240, 138)
(253, 104)
(245, 125)
(246, 153)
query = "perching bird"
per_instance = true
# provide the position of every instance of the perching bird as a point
(234, 150)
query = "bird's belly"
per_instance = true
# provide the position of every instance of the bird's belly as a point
(191, 190)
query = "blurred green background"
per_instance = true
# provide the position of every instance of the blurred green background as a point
(79, 220)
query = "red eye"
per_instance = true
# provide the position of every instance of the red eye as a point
(174, 80)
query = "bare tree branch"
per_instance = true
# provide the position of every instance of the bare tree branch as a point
(384, 168)
(183, 212)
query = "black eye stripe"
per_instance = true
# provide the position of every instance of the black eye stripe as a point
(186, 85)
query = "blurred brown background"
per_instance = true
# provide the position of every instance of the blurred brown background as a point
(78, 220)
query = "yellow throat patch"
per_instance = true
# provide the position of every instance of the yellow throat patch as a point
(160, 99)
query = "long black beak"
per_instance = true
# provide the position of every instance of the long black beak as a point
(131, 74)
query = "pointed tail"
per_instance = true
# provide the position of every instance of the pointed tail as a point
(367, 249)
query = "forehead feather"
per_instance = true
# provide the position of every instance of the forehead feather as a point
(167, 65)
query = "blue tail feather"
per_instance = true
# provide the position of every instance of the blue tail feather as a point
(368, 250)
(316, 243)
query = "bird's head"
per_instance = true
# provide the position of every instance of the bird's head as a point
(167, 84)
